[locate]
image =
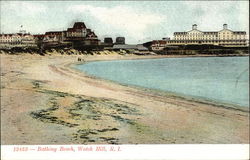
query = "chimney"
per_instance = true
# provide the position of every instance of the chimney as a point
(224, 26)
(194, 27)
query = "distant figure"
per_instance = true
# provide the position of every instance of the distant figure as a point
(80, 59)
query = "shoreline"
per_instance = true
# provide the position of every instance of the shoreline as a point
(66, 106)
(214, 103)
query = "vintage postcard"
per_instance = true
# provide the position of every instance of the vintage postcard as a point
(124, 79)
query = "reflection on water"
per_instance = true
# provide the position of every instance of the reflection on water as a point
(224, 79)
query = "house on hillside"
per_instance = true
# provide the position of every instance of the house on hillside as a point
(158, 45)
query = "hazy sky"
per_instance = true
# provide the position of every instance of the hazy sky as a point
(138, 21)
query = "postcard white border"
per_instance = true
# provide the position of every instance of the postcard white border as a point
(175, 151)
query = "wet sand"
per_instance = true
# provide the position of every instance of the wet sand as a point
(45, 101)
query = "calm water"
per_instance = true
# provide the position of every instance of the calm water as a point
(223, 79)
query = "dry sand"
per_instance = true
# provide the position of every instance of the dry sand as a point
(45, 101)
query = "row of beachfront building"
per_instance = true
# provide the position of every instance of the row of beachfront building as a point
(80, 33)
(224, 37)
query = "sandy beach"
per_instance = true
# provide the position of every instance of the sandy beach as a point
(45, 101)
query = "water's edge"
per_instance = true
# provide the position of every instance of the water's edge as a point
(161, 92)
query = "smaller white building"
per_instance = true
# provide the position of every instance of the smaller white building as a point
(18, 38)
(27, 39)
(10, 39)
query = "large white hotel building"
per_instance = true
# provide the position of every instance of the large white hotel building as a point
(224, 37)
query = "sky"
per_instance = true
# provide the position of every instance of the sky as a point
(137, 21)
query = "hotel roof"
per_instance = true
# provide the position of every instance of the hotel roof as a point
(159, 42)
(79, 25)
(53, 32)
